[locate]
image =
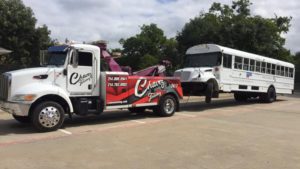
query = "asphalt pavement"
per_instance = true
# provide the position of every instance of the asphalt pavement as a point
(223, 134)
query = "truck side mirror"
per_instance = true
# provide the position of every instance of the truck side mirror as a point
(65, 72)
(75, 58)
(43, 57)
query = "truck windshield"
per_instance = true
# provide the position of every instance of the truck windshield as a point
(56, 58)
(203, 60)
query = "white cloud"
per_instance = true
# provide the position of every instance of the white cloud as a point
(91, 20)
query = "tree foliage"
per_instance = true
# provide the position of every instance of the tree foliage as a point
(18, 32)
(147, 48)
(234, 26)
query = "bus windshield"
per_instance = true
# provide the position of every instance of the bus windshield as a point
(203, 60)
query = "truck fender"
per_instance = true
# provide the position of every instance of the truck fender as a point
(51, 90)
(65, 96)
(176, 96)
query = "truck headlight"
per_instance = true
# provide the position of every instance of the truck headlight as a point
(24, 97)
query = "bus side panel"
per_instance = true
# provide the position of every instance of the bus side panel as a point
(146, 91)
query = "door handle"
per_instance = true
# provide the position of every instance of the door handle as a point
(89, 86)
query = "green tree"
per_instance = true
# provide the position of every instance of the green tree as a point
(234, 26)
(147, 48)
(148, 60)
(18, 32)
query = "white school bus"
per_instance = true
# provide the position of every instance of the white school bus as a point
(210, 69)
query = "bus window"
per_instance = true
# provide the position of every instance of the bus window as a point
(277, 70)
(238, 62)
(282, 71)
(227, 61)
(269, 68)
(263, 67)
(257, 67)
(291, 70)
(252, 65)
(246, 64)
(286, 72)
(273, 69)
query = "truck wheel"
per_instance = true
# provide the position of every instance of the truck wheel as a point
(48, 116)
(22, 119)
(269, 97)
(167, 106)
(240, 97)
(137, 109)
(209, 92)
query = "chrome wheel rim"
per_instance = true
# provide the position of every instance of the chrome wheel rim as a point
(169, 106)
(49, 117)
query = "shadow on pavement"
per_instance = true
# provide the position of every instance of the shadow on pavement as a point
(215, 104)
(295, 95)
(11, 126)
(108, 118)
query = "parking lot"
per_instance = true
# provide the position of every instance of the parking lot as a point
(224, 134)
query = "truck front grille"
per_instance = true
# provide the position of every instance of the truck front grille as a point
(4, 87)
(184, 76)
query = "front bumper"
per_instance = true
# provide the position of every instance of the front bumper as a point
(18, 109)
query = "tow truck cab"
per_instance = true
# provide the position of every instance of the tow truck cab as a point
(71, 82)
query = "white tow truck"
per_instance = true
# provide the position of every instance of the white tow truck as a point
(72, 83)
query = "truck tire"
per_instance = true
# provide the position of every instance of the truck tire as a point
(137, 109)
(48, 116)
(269, 97)
(22, 119)
(167, 106)
(209, 92)
(240, 97)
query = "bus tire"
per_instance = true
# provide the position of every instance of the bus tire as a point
(166, 107)
(240, 97)
(270, 96)
(209, 92)
(22, 119)
(48, 116)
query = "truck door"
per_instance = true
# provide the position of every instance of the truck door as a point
(80, 77)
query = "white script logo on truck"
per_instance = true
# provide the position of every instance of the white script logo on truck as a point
(76, 78)
(147, 86)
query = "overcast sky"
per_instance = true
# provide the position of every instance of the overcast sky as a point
(90, 20)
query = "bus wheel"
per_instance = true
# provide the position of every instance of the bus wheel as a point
(167, 106)
(48, 116)
(240, 97)
(270, 96)
(209, 92)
